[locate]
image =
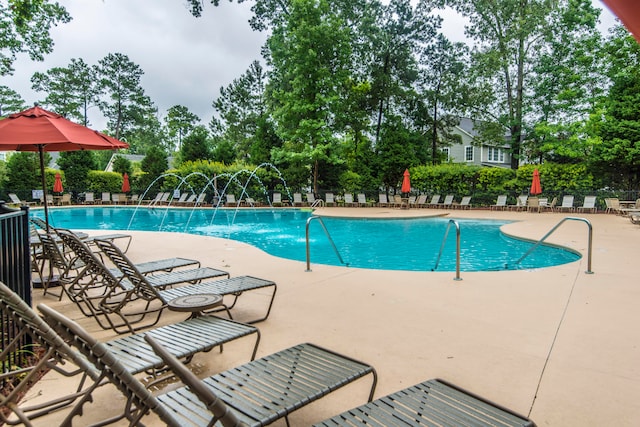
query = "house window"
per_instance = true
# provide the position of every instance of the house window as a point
(495, 155)
(468, 153)
(445, 150)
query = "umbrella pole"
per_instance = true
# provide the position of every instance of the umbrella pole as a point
(44, 185)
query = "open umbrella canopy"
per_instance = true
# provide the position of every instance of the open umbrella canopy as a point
(406, 182)
(125, 183)
(536, 188)
(629, 13)
(57, 185)
(40, 130)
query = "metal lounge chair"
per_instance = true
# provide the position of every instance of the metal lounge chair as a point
(362, 200)
(567, 204)
(106, 198)
(421, 201)
(257, 393)
(501, 203)
(145, 289)
(431, 403)
(310, 199)
(297, 199)
(434, 203)
(330, 199)
(89, 199)
(26, 328)
(465, 203)
(447, 202)
(16, 200)
(589, 204)
(383, 201)
(277, 199)
(182, 340)
(231, 201)
(348, 199)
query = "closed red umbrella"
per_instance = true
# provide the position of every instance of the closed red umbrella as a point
(406, 182)
(40, 130)
(57, 185)
(536, 188)
(125, 183)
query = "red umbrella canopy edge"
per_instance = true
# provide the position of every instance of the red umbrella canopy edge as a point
(29, 129)
(406, 182)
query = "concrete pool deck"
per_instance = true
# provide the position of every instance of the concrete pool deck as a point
(554, 344)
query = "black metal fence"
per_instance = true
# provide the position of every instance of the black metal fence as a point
(15, 266)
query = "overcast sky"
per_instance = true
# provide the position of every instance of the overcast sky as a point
(185, 59)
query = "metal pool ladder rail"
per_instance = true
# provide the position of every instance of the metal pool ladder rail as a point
(569, 218)
(444, 239)
(335, 249)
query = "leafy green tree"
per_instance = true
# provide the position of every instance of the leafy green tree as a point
(241, 111)
(436, 107)
(196, 145)
(224, 152)
(25, 29)
(310, 57)
(146, 131)
(10, 101)
(510, 35)
(23, 171)
(71, 90)
(122, 165)
(127, 105)
(154, 164)
(76, 166)
(179, 121)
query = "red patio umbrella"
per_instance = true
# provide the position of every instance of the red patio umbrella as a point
(57, 185)
(536, 188)
(629, 13)
(40, 130)
(406, 182)
(125, 183)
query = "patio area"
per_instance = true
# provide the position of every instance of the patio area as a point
(555, 344)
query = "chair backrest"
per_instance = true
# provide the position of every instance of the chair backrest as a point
(200, 199)
(422, 199)
(502, 200)
(297, 198)
(277, 198)
(310, 198)
(448, 199)
(106, 197)
(109, 367)
(465, 201)
(88, 197)
(382, 198)
(533, 202)
(23, 325)
(362, 199)
(348, 198)
(231, 199)
(553, 203)
(115, 198)
(589, 202)
(191, 199)
(183, 197)
(522, 200)
(435, 199)
(567, 201)
(14, 198)
(329, 198)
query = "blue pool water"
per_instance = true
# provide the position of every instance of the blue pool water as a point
(388, 244)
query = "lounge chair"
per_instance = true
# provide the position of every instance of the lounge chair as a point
(106, 198)
(521, 203)
(200, 199)
(501, 203)
(231, 201)
(412, 201)
(257, 393)
(447, 202)
(154, 289)
(311, 199)
(431, 403)
(182, 199)
(435, 199)
(89, 199)
(183, 340)
(16, 200)
(277, 199)
(362, 200)
(397, 201)
(329, 199)
(156, 199)
(297, 199)
(613, 205)
(567, 204)
(550, 206)
(589, 204)
(189, 201)
(421, 201)
(348, 199)
(465, 203)
(383, 202)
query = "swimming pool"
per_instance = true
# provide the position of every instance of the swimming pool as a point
(386, 244)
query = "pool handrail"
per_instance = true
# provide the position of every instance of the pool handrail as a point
(335, 249)
(569, 218)
(444, 239)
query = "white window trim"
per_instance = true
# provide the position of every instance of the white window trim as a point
(469, 147)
